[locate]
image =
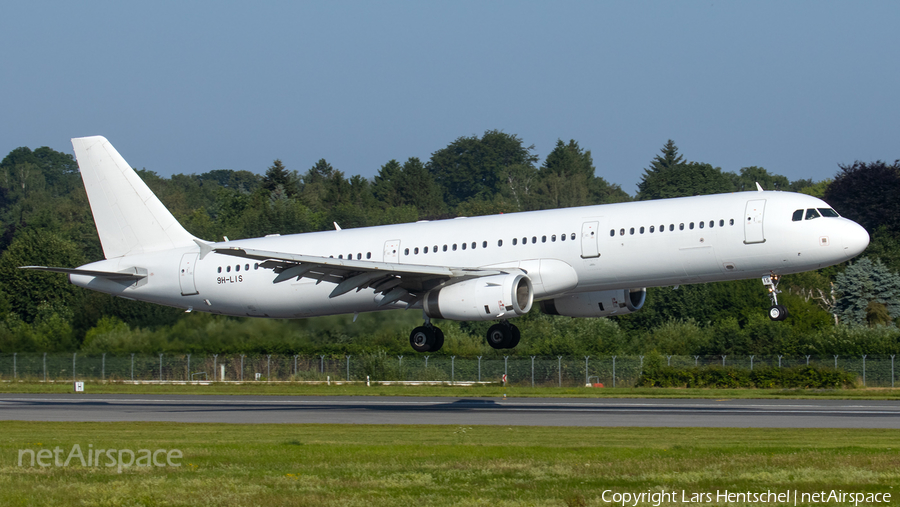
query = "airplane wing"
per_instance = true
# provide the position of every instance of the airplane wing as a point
(131, 275)
(402, 282)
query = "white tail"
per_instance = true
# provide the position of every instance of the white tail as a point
(130, 219)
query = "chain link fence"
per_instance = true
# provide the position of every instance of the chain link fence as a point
(560, 371)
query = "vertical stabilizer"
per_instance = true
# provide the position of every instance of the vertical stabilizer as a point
(130, 219)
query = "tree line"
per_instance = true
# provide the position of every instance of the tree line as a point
(45, 219)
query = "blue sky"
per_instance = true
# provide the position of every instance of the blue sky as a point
(795, 87)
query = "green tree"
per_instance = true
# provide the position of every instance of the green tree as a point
(867, 194)
(473, 167)
(869, 293)
(684, 180)
(749, 176)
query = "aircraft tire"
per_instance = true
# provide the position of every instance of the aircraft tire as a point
(778, 313)
(498, 336)
(516, 336)
(422, 339)
(438, 339)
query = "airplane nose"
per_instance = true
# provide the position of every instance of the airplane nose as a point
(856, 239)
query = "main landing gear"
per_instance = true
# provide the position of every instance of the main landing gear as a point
(427, 338)
(503, 335)
(777, 311)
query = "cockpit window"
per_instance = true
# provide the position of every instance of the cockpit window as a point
(812, 213)
(798, 215)
(828, 212)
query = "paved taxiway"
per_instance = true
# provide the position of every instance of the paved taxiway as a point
(415, 410)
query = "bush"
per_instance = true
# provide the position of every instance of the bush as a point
(807, 377)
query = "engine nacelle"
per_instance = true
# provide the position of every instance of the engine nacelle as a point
(596, 304)
(486, 298)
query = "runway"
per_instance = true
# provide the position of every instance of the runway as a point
(422, 410)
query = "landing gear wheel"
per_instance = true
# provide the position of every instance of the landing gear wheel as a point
(438, 339)
(516, 336)
(422, 339)
(499, 336)
(778, 312)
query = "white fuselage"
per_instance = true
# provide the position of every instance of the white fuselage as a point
(693, 240)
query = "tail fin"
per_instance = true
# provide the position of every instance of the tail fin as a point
(130, 218)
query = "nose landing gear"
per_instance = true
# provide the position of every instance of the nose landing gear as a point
(776, 312)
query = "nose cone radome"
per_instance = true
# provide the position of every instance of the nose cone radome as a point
(856, 239)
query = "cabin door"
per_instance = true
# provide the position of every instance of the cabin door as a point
(589, 236)
(392, 250)
(753, 221)
(186, 274)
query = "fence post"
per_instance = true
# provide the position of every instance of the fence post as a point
(103, 367)
(505, 365)
(295, 364)
(696, 358)
(864, 370)
(268, 367)
(132, 366)
(642, 364)
(614, 371)
(669, 361)
(892, 370)
(723, 361)
(559, 369)
(587, 376)
(400, 367)
(73, 366)
(322, 357)
(14, 365)
(479, 368)
(215, 366)
(426, 362)
(835, 361)
(45, 367)
(779, 361)
(160, 366)
(348, 368)
(807, 360)
(751, 362)
(189, 367)
(532, 371)
(452, 369)
(242, 367)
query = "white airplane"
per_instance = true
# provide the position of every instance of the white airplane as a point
(591, 261)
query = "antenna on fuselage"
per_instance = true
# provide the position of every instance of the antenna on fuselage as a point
(759, 187)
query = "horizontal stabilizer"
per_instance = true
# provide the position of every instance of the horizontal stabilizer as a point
(125, 275)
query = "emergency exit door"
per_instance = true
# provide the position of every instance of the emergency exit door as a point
(186, 274)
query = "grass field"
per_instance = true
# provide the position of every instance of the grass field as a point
(263, 388)
(348, 465)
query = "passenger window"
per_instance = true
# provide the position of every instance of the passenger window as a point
(701, 225)
(712, 223)
(368, 255)
(473, 245)
(358, 256)
(524, 241)
(220, 269)
(828, 212)
(515, 241)
(246, 267)
(228, 269)
(463, 246)
(484, 244)
(416, 250)
(445, 248)
(671, 227)
(563, 237)
(255, 266)
(721, 223)
(642, 230)
(621, 232)
(612, 232)
(543, 239)
(237, 268)
(573, 236)
(797, 216)
(434, 249)
(631, 231)
(533, 240)
(681, 227)
(812, 213)
(691, 226)
(652, 228)
(454, 247)
(499, 242)
(425, 250)
(731, 222)
(553, 238)
(406, 251)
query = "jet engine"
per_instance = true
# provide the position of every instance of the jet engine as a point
(596, 304)
(486, 298)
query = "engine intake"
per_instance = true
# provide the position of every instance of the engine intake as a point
(596, 304)
(487, 298)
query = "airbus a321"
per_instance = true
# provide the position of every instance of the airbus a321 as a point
(592, 261)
